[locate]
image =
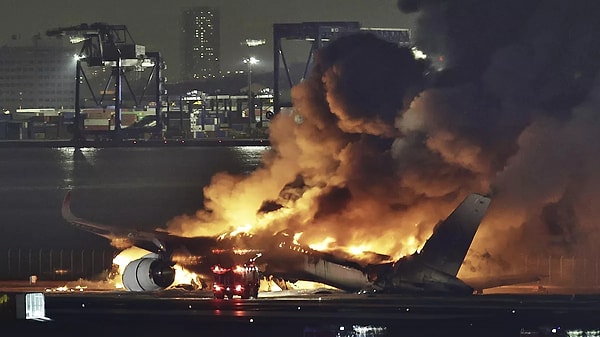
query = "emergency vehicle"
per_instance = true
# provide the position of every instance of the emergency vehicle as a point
(242, 281)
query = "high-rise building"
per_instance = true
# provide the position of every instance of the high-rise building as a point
(200, 43)
(41, 75)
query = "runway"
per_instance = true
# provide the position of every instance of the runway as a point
(308, 313)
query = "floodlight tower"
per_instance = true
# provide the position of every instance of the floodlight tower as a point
(251, 61)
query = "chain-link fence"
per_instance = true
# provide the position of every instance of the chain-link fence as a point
(568, 271)
(54, 264)
(73, 264)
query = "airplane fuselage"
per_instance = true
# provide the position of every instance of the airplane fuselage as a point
(431, 271)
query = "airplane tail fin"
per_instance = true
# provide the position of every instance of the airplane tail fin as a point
(447, 247)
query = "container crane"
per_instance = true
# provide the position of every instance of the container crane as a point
(105, 45)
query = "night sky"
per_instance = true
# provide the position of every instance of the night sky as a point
(157, 24)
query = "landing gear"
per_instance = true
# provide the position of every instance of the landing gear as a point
(250, 292)
(246, 294)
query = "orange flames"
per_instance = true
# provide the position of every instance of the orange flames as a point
(182, 275)
(327, 175)
(370, 160)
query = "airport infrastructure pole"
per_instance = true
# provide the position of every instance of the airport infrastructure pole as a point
(77, 124)
(51, 265)
(250, 103)
(181, 115)
(550, 269)
(250, 61)
(561, 268)
(585, 278)
(158, 88)
(596, 272)
(118, 100)
(276, 51)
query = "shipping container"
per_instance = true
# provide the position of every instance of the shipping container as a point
(16, 130)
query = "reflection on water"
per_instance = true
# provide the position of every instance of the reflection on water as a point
(583, 333)
(70, 158)
(145, 187)
(345, 331)
(250, 155)
(376, 331)
(559, 332)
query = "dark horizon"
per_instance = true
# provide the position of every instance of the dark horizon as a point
(158, 27)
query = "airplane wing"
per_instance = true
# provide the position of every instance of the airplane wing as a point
(155, 271)
(154, 241)
(102, 230)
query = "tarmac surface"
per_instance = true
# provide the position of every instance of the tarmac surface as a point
(104, 312)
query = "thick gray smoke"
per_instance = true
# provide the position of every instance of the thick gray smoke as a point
(519, 83)
(331, 174)
(375, 153)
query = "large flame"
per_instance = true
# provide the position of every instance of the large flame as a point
(182, 275)
(330, 174)
(374, 153)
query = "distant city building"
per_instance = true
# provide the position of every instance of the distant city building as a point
(200, 43)
(41, 75)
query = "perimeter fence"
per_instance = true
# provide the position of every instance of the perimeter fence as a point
(73, 264)
(55, 264)
(566, 271)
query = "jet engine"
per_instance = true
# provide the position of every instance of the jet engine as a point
(149, 273)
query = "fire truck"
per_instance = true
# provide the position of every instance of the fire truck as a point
(240, 280)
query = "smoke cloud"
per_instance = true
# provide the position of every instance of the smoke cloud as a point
(380, 147)
(519, 82)
(331, 173)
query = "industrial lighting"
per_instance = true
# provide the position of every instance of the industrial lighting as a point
(77, 39)
(147, 63)
(418, 54)
(252, 60)
(254, 42)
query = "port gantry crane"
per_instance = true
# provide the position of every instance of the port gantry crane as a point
(318, 34)
(112, 46)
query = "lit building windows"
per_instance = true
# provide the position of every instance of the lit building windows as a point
(200, 47)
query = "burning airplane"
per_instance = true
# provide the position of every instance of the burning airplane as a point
(432, 270)
(334, 175)
(379, 147)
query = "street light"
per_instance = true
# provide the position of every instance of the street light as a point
(250, 62)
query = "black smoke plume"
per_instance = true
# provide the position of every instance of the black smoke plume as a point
(375, 152)
(519, 80)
